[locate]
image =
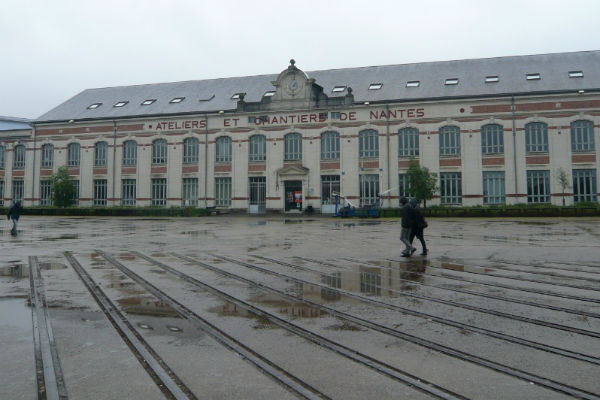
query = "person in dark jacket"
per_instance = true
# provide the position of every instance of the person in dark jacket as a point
(418, 226)
(14, 212)
(408, 218)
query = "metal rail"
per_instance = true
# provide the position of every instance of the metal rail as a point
(49, 377)
(514, 372)
(289, 381)
(383, 368)
(166, 380)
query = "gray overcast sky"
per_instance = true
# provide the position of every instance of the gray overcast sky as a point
(52, 50)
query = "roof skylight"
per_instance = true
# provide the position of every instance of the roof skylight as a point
(177, 100)
(338, 89)
(94, 106)
(413, 83)
(121, 103)
(492, 79)
(375, 86)
(575, 74)
(451, 81)
(236, 96)
(533, 77)
(270, 93)
(148, 102)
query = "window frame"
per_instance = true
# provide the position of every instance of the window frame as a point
(492, 139)
(47, 156)
(449, 141)
(159, 192)
(330, 146)
(408, 142)
(223, 149)
(223, 191)
(494, 187)
(536, 137)
(128, 192)
(292, 146)
(368, 187)
(19, 156)
(191, 150)
(73, 154)
(584, 185)
(582, 136)
(100, 192)
(368, 143)
(537, 179)
(160, 150)
(451, 188)
(100, 154)
(129, 156)
(257, 148)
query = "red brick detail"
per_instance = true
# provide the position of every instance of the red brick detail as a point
(100, 171)
(292, 164)
(18, 172)
(369, 164)
(73, 171)
(257, 167)
(491, 108)
(45, 172)
(538, 160)
(403, 163)
(130, 128)
(450, 162)
(159, 170)
(128, 170)
(239, 198)
(353, 197)
(330, 165)
(312, 198)
(223, 167)
(583, 158)
(273, 198)
(492, 161)
(188, 169)
(1, 172)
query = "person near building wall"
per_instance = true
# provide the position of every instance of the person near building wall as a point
(408, 217)
(14, 213)
(419, 224)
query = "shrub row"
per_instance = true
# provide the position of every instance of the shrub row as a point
(115, 211)
(518, 210)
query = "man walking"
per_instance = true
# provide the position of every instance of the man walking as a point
(14, 212)
(408, 218)
(419, 224)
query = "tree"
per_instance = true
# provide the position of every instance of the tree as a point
(563, 181)
(63, 188)
(422, 183)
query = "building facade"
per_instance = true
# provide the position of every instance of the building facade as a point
(495, 131)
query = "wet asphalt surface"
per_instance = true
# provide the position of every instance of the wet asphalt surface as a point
(499, 308)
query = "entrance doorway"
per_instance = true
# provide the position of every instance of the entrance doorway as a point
(293, 195)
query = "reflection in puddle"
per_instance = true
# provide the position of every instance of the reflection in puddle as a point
(146, 306)
(22, 270)
(61, 237)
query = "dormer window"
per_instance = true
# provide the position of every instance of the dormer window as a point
(575, 74)
(148, 102)
(413, 83)
(177, 100)
(338, 89)
(237, 96)
(492, 79)
(375, 86)
(451, 81)
(121, 103)
(533, 77)
(270, 93)
(94, 106)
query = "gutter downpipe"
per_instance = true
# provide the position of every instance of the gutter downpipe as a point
(514, 133)
(205, 161)
(387, 149)
(33, 173)
(114, 172)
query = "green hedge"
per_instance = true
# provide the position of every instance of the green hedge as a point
(115, 211)
(517, 210)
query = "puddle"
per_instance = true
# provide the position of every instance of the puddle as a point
(126, 256)
(346, 326)
(14, 312)
(61, 237)
(22, 270)
(146, 306)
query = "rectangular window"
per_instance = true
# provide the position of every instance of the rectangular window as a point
(449, 141)
(19, 157)
(493, 187)
(584, 185)
(129, 153)
(73, 155)
(223, 192)
(1, 193)
(47, 156)
(369, 189)
(100, 192)
(190, 150)
(330, 146)
(128, 192)
(536, 137)
(100, 154)
(190, 192)
(450, 188)
(368, 144)
(582, 136)
(492, 139)
(330, 186)
(293, 147)
(159, 192)
(403, 185)
(45, 193)
(258, 190)
(18, 187)
(538, 186)
(408, 142)
(76, 193)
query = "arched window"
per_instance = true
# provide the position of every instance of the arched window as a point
(492, 139)
(368, 143)
(159, 151)
(408, 142)
(130, 153)
(100, 154)
(47, 155)
(582, 136)
(258, 148)
(330, 145)
(73, 155)
(293, 147)
(190, 150)
(449, 141)
(19, 160)
(536, 137)
(223, 152)
(2, 157)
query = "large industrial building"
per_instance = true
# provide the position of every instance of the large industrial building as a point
(494, 130)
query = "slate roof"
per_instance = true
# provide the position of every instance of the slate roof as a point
(213, 95)
(14, 124)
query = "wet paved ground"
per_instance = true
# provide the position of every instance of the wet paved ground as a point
(285, 307)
